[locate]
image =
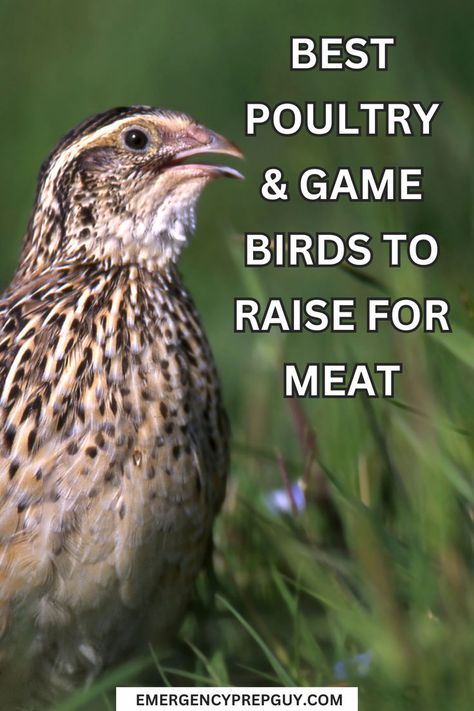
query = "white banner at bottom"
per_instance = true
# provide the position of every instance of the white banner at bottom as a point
(330, 698)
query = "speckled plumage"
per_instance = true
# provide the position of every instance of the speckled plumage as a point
(113, 447)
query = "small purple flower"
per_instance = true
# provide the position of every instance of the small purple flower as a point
(286, 501)
(359, 665)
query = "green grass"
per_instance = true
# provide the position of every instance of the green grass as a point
(380, 560)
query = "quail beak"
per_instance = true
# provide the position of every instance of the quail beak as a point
(198, 140)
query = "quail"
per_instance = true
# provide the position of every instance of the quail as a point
(113, 437)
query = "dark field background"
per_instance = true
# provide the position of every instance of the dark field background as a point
(380, 561)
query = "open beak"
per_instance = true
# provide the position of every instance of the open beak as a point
(199, 140)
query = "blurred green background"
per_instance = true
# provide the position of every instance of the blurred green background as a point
(380, 561)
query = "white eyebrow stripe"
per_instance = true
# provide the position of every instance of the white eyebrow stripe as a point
(68, 154)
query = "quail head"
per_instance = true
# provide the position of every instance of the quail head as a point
(113, 439)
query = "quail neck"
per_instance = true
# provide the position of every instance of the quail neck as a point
(113, 436)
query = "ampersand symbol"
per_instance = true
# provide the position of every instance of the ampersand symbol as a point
(273, 187)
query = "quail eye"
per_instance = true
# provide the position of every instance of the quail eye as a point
(135, 139)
